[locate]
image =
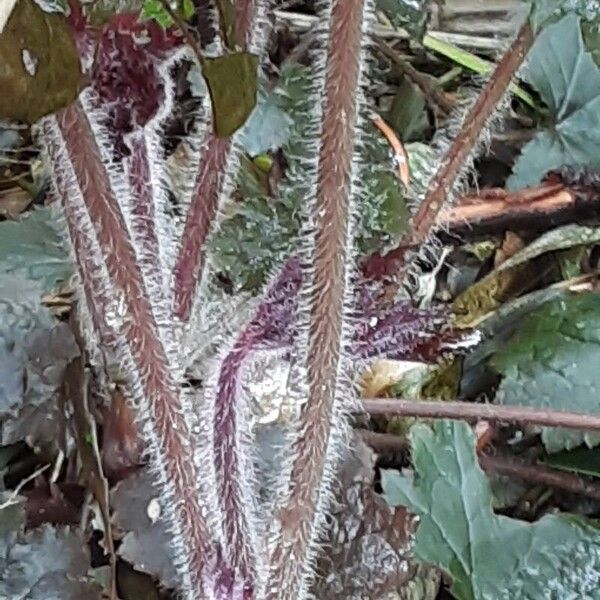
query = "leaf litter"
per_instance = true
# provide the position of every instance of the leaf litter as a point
(536, 308)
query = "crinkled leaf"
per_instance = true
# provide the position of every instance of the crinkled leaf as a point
(369, 543)
(268, 127)
(568, 80)
(231, 81)
(33, 248)
(551, 361)
(34, 351)
(488, 557)
(46, 563)
(139, 512)
(40, 65)
(260, 230)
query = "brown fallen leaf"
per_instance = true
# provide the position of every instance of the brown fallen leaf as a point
(40, 63)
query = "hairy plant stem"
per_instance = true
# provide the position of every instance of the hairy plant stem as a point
(217, 166)
(118, 294)
(464, 143)
(471, 411)
(326, 289)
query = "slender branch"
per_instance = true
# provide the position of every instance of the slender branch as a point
(510, 466)
(464, 143)
(470, 411)
(540, 474)
(544, 206)
(384, 442)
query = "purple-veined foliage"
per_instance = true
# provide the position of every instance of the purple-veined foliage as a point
(398, 331)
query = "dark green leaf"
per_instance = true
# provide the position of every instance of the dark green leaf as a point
(488, 557)
(407, 14)
(407, 114)
(139, 512)
(552, 362)
(34, 351)
(585, 461)
(566, 77)
(39, 64)
(231, 81)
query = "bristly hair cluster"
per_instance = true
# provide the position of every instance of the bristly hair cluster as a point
(141, 280)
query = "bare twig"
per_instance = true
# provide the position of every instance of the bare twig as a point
(384, 442)
(539, 474)
(465, 141)
(13, 498)
(547, 205)
(434, 96)
(470, 411)
(510, 466)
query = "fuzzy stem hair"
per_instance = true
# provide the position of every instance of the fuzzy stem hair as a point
(327, 297)
(463, 145)
(124, 303)
(214, 177)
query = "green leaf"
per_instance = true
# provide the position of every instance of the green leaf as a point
(40, 70)
(231, 81)
(33, 249)
(585, 461)
(551, 362)
(269, 125)
(153, 9)
(187, 9)
(408, 115)
(545, 12)
(488, 557)
(566, 77)
(410, 15)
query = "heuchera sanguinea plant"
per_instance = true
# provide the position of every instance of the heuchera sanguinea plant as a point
(140, 274)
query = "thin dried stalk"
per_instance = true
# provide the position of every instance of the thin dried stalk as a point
(470, 411)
